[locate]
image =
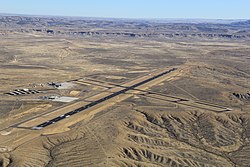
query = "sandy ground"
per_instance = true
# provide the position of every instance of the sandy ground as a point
(138, 129)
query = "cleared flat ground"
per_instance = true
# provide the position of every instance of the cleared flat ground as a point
(140, 128)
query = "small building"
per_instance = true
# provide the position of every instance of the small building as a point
(54, 84)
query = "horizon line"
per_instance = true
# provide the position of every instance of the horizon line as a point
(129, 18)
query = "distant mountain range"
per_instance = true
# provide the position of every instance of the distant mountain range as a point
(242, 23)
(132, 28)
(161, 20)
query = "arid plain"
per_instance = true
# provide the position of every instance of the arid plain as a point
(196, 115)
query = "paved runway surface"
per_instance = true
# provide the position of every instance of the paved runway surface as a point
(94, 103)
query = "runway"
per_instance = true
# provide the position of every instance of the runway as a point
(96, 102)
(114, 90)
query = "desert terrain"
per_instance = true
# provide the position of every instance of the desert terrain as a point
(120, 92)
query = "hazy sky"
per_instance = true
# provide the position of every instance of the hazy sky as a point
(209, 9)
